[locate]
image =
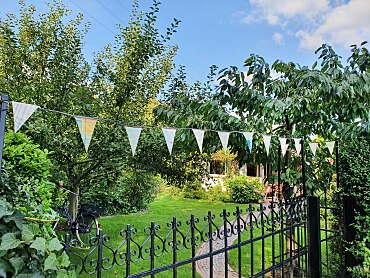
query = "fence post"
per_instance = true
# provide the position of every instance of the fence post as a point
(100, 253)
(4, 108)
(314, 242)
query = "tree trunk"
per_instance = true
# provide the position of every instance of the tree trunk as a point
(73, 203)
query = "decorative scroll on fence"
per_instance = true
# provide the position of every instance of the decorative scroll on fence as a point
(263, 239)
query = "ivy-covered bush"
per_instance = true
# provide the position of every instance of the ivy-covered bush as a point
(29, 249)
(133, 192)
(25, 175)
(245, 189)
(355, 181)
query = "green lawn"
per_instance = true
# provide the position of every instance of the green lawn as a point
(162, 210)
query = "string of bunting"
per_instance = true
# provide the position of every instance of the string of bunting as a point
(86, 125)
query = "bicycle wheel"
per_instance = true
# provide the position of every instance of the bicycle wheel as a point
(86, 229)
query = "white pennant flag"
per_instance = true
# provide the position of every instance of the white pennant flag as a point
(249, 138)
(330, 146)
(267, 140)
(199, 135)
(133, 137)
(86, 127)
(224, 137)
(169, 136)
(22, 111)
(313, 147)
(283, 145)
(297, 144)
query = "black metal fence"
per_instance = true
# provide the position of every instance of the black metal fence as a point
(265, 240)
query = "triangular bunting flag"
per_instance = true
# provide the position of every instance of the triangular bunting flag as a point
(249, 139)
(133, 134)
(22, 111)
(169, 136)
(199, 135)
(224, 137)
(283, 145)
(297, 144)
(330, 146)
(86, 127)
(313, 147)
(267, 140)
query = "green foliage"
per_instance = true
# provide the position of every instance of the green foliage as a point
(29, 249)
(355, 181)
(25, 175)
(245, 189)
(42, 62)
(217, 193)
(193, 190)
(133, 192)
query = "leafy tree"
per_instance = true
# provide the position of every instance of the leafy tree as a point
(41, 62)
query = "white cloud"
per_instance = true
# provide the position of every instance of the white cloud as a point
(345, 25)
(314, 22)
(277, 11)
(278, 38)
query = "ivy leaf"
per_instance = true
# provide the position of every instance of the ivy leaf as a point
(17, 263)
(54, 245)
(64, 260)
(62, 274)
(51, 262)
(4, 211)
(9, 241)
(39, 244)
(29, 231)
(17, 217)
(5, 267)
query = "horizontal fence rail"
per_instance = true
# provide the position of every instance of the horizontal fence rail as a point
(261, 240)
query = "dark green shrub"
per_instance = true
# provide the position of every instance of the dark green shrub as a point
(25, 175)
(245, 189)
(194, 190)
(132, 192)
(355, 182)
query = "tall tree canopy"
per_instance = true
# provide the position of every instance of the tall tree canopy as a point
(42, 63)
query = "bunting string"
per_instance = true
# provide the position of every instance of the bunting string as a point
(23, 111)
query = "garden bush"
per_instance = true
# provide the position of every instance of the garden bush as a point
(29, 249)
(133, 192)
(216, 193)
(193, 190)
(25, 176)
(245, 189)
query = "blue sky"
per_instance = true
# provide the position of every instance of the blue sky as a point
(225, 33)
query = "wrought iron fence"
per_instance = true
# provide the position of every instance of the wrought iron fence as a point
(262, 240)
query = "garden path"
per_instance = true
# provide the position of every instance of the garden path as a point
(202, 266)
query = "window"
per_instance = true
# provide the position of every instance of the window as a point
(217, 167)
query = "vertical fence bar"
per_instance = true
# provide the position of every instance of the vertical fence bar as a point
(273, 235)
(192, 231)
(4, 108)
(100, 254)
(281, 234)
(152, 248)
(263, 237)
(128, 250)
(314, 242)
(210, 244)
(251, 237)
(174, 239)
(303, 168)
(238, 213)
(224, 214)
(280, 191)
